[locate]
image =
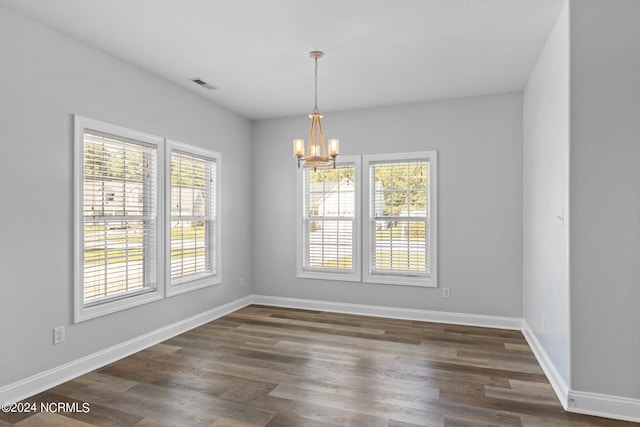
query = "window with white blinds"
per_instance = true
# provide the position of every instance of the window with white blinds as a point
(400, 234)
(330, 222)
(138, 196)
(193, 220)
(117, 222)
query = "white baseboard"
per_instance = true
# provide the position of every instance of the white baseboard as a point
(45, 380)
(395, 313)
(604, 405)
(557, 382)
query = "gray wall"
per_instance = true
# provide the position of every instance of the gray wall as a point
(479, 143)
(546, 196)
(605, 200)
(44, 79)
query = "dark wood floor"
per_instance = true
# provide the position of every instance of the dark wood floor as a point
(266, 366)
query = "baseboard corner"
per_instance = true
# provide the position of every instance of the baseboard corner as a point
(603, 405)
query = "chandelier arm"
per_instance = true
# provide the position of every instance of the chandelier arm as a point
(310, 141)
(324, 152)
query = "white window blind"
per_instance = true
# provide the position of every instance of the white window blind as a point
(118, 217)
(329, 219)
(193, 216)
(399, 217)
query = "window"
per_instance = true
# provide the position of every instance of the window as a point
(397, 223)
(117, 221)
(193, 225)
(329, 226)
(400, 222)
(131, 203)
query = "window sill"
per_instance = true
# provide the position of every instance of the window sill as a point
(86, 313)
(381, 279)
(318, 275)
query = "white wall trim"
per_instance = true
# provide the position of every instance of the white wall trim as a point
(392, 312)
(604, 405)
(553, 375)
(45, 380)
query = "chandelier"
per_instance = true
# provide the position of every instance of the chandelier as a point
(317, 155)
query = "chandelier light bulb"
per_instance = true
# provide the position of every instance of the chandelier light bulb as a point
(334, 147)
(298, 147)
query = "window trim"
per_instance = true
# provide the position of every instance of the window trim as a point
(356, 274)
(202, 280)
(82, 312)
(431, 280)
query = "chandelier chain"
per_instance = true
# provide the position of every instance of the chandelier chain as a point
(315, 109)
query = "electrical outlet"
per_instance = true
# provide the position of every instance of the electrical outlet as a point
(58, 335)
(241, 280)
(446, 292)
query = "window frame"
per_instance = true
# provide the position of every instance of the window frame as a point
(406, 279)
(82, 312)
(355, 275)
(202, 280)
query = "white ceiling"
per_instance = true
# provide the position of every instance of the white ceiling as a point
(378, 52)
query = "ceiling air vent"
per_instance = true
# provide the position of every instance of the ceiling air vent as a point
(202, 83)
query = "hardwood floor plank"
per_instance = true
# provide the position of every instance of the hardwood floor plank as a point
(107, 382)
(168, 415)
(287, 419)
(577, 421)
(51, 420)
(367, 406)
(148, 422)
(195, 402)
(228, 422)
(452, 421)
